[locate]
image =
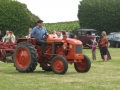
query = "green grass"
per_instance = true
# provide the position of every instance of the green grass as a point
(102, 76)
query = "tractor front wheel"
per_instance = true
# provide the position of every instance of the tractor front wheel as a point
(25, 57)
(84, 65)
(59, 65)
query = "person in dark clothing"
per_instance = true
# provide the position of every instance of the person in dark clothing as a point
(71, 35)
(1, 35)
(63, 33)
(39, 32)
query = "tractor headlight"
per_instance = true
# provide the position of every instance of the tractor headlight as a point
(70, 46)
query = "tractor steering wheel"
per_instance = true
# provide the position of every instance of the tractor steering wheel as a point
(45, 36)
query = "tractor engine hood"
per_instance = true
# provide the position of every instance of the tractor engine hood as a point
(51, 39)
(73, 41)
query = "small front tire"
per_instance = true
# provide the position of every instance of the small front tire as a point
(83, 66)
(59, 65)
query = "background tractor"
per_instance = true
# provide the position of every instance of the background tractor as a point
(59, 52)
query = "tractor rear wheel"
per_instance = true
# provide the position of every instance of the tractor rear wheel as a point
(83, 66)
(59, 65)
(46, 66)
(25, 57)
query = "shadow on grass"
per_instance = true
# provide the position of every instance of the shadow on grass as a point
(43, 72)
(103, 61)
(52, 73)
(99, 61)
(86, 48)
(47, 73)
(35, 72)
(30, 73)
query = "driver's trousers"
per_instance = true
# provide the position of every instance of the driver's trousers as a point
(42, 43)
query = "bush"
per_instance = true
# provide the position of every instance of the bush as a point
(16, 17)
(100, 15)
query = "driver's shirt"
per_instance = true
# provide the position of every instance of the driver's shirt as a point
(38, 32)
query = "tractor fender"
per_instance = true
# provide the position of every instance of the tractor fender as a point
(30, 40)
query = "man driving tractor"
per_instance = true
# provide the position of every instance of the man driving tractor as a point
(39, 33)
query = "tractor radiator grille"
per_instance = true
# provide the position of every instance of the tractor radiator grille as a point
(78, 49)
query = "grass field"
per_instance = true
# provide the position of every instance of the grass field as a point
(102, 76)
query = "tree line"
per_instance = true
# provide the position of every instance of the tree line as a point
(92, 14)
(15, 16)
(102, 15)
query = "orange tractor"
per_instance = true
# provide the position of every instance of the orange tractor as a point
(59, 52)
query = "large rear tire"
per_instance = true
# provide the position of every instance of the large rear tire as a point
(83, 66)
(59, 65)
(25, 57)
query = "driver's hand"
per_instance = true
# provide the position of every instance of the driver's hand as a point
(45, 36)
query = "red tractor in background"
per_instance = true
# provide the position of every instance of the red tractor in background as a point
(26, 54)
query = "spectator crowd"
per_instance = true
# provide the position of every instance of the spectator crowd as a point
(60, 34)
(8, 37)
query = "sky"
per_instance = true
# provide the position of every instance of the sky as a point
(52, 11)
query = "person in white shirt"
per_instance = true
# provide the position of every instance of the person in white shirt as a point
(54, 33)
(12, 37)
(6, 38)
(67, 34)
(59, 35)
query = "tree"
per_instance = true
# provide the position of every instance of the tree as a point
(16, 17)
(100, 15)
